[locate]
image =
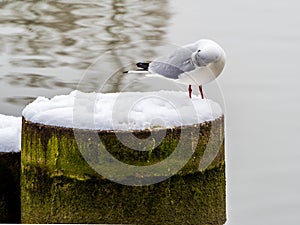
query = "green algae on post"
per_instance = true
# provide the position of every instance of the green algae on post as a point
(59, 186)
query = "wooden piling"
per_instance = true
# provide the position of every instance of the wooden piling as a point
(59, 186)
(10, 205)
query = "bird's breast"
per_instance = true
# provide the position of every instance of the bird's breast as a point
(199, 76)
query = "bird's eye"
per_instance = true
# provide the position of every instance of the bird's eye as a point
(199, 50)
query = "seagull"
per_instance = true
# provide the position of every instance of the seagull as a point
(197, 63)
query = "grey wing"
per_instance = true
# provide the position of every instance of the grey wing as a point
(173, 65)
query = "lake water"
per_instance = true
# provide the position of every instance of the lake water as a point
(47, 46)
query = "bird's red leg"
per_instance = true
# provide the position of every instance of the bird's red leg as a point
(190, 91)
(201, 91)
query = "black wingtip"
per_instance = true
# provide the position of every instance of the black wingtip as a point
(143, 65)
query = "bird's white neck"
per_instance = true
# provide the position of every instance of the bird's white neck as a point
(217, 67)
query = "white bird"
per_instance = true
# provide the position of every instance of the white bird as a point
(197, 63)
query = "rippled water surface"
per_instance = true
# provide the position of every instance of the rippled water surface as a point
(47, 46)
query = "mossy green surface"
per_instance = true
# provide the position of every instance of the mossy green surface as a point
(59, 186)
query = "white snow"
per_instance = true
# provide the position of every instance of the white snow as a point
(122, 111)
(10, 133)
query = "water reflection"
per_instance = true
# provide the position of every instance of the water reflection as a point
(37, 81)
(45, 46)
(19, 100)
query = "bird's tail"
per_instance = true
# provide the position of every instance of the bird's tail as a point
(143, 65)
(142, 68)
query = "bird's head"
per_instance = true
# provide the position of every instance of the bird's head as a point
(207, 52)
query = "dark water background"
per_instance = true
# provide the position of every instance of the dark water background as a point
(46, 47)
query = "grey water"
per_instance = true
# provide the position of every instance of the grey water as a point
(53, 47)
